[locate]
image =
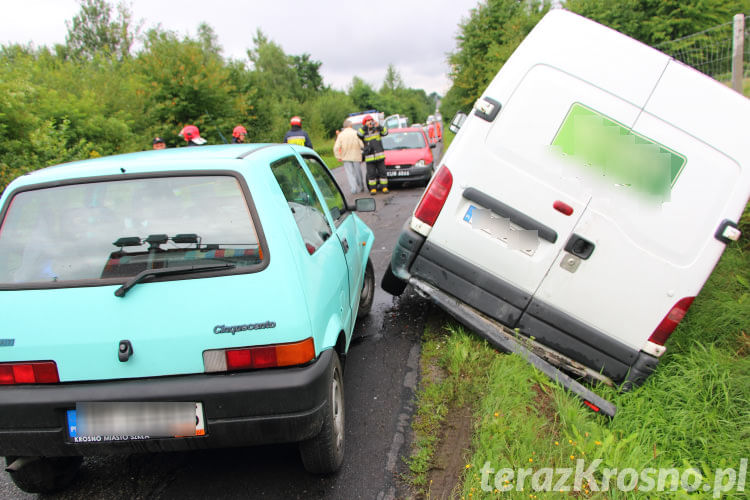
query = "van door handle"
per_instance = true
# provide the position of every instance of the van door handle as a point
(345, 245)
(579, 246)
(516, 216)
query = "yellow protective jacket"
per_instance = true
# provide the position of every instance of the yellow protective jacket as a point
(373, 145)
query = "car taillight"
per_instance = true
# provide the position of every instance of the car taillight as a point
(31, 372)
(256, 357)
(670, 321)
(434, 198)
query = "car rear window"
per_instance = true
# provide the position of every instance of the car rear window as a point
(404, 140)
(116, 229)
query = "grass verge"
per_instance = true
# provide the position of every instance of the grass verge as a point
(691, 415)
(324, 147)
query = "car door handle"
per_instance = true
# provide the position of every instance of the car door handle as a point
(579, 246)
(345, 245)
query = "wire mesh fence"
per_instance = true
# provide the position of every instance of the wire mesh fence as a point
(710, 51)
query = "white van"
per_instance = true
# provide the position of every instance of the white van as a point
(586, 198)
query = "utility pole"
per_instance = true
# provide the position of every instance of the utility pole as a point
(738, 49)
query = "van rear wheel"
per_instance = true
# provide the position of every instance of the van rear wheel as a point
(42, 474)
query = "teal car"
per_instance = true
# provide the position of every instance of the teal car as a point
(177, 300)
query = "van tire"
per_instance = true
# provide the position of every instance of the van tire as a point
(367, 293)
(324, 453)
(45, 474)
(391, 283)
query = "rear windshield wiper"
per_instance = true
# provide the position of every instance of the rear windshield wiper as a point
(149, 273)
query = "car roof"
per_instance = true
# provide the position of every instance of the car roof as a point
(170, 159)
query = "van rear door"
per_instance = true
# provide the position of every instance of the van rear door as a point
(511, 170)
(647, 253)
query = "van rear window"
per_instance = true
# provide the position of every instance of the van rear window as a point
(612, 150)
(116, 229)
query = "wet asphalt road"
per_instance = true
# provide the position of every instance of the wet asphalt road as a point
(379, 382)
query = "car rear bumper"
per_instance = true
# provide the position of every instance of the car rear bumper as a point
(409, 174)
(240, 409)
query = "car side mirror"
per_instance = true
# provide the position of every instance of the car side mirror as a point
(457, 122)
(364, 204)
(433, 145)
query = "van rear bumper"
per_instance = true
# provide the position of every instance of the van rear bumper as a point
(515, 308)
(240, 409)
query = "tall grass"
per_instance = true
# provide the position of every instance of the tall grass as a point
(692, 413)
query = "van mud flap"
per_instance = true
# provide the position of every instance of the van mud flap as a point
(504, 339)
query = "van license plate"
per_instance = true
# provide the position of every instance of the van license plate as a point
(131, 421)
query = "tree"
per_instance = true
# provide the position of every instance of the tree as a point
(392, 81)
(653, 22)
(485, 41)
(308, 72)
(93, 31)
(275, 73)
(187, 83)
(363, 95)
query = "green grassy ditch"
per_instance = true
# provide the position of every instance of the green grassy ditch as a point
(692, 414)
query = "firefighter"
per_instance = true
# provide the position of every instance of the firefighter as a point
(192, 135)
(370, 133)
(238, 134)
(296, 135)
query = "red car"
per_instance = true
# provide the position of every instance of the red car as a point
(408, 155)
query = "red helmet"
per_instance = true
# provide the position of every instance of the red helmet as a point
(238, 131)
(190, 132)
(366, 119)
(296, 120)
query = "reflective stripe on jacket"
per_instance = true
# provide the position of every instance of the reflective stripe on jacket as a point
(373, 145)
(298, 136)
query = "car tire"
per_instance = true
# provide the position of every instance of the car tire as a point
(391, 283)
(324, 453)
(368, 291)
(44, 474)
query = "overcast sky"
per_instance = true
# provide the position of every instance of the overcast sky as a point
(349, 37)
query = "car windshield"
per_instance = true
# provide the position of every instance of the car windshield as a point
(117, 229)
(403, 140)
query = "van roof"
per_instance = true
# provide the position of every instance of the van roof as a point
(636, 73)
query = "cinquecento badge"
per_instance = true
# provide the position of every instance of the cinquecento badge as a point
(244, 328)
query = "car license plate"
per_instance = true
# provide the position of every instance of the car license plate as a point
(131, 421)
(397, 173)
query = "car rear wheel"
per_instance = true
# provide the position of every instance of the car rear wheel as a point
(324, 453)
(368, 291)
(42, 474)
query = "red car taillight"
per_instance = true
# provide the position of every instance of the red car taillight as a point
(266, 356)
(434, 198)
(29, 372)
(670, 321)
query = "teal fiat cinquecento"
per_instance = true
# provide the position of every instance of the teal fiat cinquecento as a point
(173, 300)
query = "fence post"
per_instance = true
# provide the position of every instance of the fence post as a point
(738, 49)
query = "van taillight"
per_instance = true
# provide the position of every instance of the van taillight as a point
(33, 372)
(670, 321)
(256, 357)
(434, 198)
